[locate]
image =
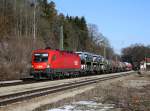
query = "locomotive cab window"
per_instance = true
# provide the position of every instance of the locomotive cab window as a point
(40, 57)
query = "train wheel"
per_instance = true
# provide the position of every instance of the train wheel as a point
(72, 75)
(58, 76)
(51, 77)
(63, 75)
(77, 74)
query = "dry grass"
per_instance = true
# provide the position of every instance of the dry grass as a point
(15, 57)
(129, 99)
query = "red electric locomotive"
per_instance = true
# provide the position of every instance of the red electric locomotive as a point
(48, 63)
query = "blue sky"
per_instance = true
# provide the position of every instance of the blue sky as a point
(123, 22)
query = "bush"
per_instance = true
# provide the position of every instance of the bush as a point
(15, 57)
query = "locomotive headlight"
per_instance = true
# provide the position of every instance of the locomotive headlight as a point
(32, 66)
(48, 66)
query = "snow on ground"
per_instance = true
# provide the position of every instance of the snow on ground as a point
(85, 106)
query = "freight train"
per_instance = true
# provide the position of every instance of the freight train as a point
(50, 64)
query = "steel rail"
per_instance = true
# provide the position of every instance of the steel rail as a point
(20, 82)
(19, 96)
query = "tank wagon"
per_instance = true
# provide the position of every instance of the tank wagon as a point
(49, 64)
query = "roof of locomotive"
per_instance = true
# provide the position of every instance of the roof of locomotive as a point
(49, 50)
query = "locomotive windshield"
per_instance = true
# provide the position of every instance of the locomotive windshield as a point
(40, 57)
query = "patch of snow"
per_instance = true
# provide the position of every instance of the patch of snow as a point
(65, 108)
(68, 107)
(86, 106)
(86, 102)
(55, 110)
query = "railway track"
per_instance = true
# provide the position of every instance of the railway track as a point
(19, 96)
(20, 82)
